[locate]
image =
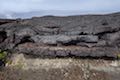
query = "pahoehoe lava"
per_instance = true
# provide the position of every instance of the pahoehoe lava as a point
(54, 36)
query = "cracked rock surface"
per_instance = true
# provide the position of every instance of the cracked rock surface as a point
(79, 36)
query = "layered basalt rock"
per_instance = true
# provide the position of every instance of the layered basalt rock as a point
(79, 36)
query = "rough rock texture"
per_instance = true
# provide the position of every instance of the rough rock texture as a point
(79, 36)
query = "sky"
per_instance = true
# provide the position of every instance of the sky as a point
(21, 6)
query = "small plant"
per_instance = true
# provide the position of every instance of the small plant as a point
(3, 55)
(118, 56)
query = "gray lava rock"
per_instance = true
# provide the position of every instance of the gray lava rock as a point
(63, 39)
(45, 39)
(53, 39)
(25, 32)
(88, 38)
(89, 33)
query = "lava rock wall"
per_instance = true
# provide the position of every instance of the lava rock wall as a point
(79, 36)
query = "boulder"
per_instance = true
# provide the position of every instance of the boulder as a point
(88, 38)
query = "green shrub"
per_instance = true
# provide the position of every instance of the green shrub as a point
(3, 55)
(118, 56)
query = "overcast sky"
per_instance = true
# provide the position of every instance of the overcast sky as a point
(78, 5)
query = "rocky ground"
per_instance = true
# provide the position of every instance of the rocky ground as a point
(23, 67)
(83, 47)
